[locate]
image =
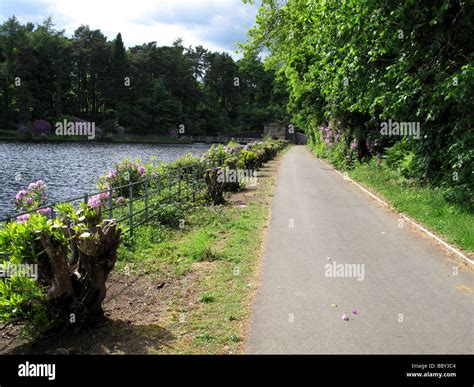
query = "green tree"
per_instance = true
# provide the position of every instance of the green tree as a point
(355, 64)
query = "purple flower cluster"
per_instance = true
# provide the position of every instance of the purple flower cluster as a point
(173, 132)
(253, 144)
(370, 147)
(99, 200)
(36, 192)
(232, 150)
(125, 173)
(23, 218)
(45, 211)
(122, 175)
(354, 144)
(32, 197)
(41, 127)
(329, 135)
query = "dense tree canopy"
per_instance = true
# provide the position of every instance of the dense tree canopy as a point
(144, 89)
(351, 65)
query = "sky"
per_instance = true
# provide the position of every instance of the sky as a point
(214, 24)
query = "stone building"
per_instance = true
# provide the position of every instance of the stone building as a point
(276, 129)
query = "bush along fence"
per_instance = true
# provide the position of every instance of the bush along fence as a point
(132, 194)
(55, 258)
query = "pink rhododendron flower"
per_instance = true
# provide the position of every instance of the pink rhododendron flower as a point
(32, 197)
(99, 200)
(20, 194)
(44, 211)
(94, 202)
(23, 218)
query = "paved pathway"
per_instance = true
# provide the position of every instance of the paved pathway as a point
(407, 298)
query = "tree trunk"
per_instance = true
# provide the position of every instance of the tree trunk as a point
(76, 283)
(215, 187)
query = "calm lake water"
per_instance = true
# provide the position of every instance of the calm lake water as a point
(71, 169)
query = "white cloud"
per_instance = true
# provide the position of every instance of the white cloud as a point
(215, 24)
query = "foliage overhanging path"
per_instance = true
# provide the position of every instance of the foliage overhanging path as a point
(408, 301)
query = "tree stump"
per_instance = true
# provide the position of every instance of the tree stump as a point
(75, 273)
(215, 187)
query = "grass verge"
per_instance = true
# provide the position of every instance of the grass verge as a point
(214, 259)
(426, 205)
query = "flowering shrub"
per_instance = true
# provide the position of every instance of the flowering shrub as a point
(123, 174)
(98, 201)
(233, 148)
(32, 197)
(46, 295)
(173, 132)
(182, 162)
(247, 159)
(41, 127)
(230, 153)
(215, 153)
(187, 166)
(265, 150)
(329, 135)
(370, 147)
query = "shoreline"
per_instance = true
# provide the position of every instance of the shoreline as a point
(125, 140)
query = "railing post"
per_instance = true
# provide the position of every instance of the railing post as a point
(111, 211)
(189, 183)
(130, 192)
(179, 186)
(193, 177)
(86, 198)
(146, 200)
(170, 196)
(158, 183)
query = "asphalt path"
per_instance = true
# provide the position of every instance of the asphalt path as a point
(332, 250)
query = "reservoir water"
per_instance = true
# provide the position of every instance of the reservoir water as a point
(71, 169)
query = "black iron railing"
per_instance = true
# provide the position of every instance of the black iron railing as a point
(138, 202)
